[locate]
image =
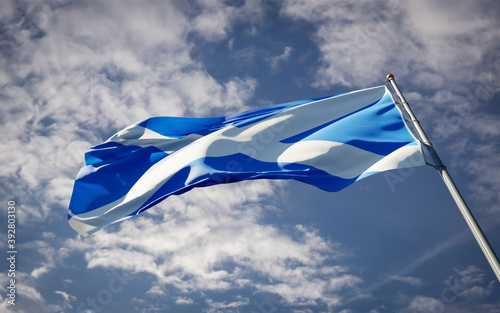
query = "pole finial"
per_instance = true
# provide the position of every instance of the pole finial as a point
(389, 77)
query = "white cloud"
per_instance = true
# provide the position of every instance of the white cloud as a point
(435, 18)
(356, 44)
(450, 33)
(67, 299)
(183, 301)
(470, 283)
(52, 256)
(29, 292)
(361, 44)
(65, 295)
(156, 290)
(48, 235)
(213, 239)
(214, 306)
(28, 298)
(217, 18)
(424, 304)
(413, 281)
(457, 295)
(37, 272)
(276, 60)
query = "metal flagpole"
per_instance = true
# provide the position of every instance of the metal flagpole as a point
(452, 188)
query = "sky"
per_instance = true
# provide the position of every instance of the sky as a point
(74, 72)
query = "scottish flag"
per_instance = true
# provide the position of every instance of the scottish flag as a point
(328, 142)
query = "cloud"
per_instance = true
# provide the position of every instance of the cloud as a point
(451, 34)
(156, 290)
(217, 18)
(353, 43)
(67, 299)
(183, 301)
(65, 295)
(404, 272)
(214, 240)
(413, 281)
(218, 306)
(460, 289)
(52, 256)
(28, 298)
(276, 60)
(424, 304)
(470, 283)
(359, 45)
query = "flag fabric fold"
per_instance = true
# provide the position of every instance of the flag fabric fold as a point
(328, 142)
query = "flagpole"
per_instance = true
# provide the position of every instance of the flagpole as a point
(452, 188)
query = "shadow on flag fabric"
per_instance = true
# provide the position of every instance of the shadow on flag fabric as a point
(328, 142)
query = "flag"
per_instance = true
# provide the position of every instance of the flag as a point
(328, 142)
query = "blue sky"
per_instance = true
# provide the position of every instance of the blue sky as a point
(75, 72)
